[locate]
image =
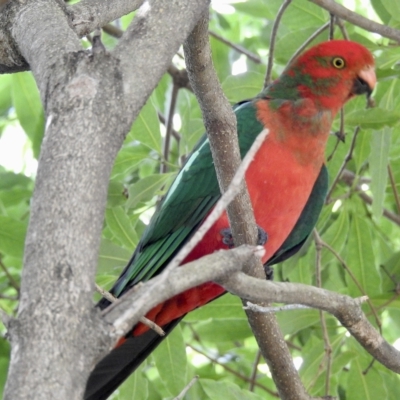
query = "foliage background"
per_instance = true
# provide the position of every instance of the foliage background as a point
(215, 342)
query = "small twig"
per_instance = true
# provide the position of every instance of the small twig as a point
(253, 376)
(5, 297)
(167, 139)
(357, 19)
(340, 135)
(227, 197)
(274, 32)
(348, 178)
(328, 347)
(143, 320)
(267, 310)
(181, 395)
(331, 26)
(394, 188)
(342, 28)
(232, 371)
(11, 279)
(307, 42)
(348, 157)
(253, 57)
(360, 288)
(174, 133)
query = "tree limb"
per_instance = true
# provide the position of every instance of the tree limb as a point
(358, 20)
(221, 130)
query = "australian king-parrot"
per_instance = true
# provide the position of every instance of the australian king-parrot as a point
(287, 182)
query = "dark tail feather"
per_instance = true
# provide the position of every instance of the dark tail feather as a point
(113, 369)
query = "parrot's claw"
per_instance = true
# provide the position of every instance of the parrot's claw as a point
(269, 272)
(227, 238)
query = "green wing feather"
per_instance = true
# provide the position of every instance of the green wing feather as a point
(191, 197)
(185, 206)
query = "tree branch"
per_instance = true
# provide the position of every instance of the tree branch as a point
(221, 130)
(357, 19)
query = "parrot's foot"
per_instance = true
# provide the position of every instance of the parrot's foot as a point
(269, 272)
(227, 237)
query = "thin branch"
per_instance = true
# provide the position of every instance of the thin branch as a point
(342, 28)
(268, 309)
(174, 133)
(308, 41)
(186, 388)
(354, 279)
(145, 321)
(232, 371)
(357, 19)
(253, 57)
(340, 135)
(232, 191)
(126, 312)
(348, 157)
(167, 138)
(274, 32)
(328, 347)
(348, 178)
(394, 187)
(10, 278)
(253, 376)
(344, 308)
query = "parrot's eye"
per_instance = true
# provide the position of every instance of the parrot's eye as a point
(338, 62)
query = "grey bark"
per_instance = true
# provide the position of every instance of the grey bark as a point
(90, 100)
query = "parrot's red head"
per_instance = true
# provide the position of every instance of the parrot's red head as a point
(329, 73)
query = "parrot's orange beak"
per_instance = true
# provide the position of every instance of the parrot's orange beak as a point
(365, 82)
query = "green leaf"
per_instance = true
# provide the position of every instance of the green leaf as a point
(145, 189)
(374, 118)
(128, 159)
(112, 256)
(170, 359)
(217, 390)
(393, 7)
(9, 180)
(29, 109)
(12, 236)
(146, 128)
(136, 387)
(224, 330)
(243, 86)
(227, 306)
(120, 225)
(116, 194)
(361, 259)
(378, 163)
(362, 386)
(292, 322)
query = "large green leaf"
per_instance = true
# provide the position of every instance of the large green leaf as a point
(145, 189)
(12, 236)
(146, 128)
(226, 390)
(378, 163)
(361, 259)
(170, 358)
(120, 225)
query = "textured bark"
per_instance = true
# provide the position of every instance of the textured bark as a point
(90, 100)
(221, 130)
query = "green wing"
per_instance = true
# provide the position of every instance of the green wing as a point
(185, 206)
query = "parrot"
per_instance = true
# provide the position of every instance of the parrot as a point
(287, 183)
